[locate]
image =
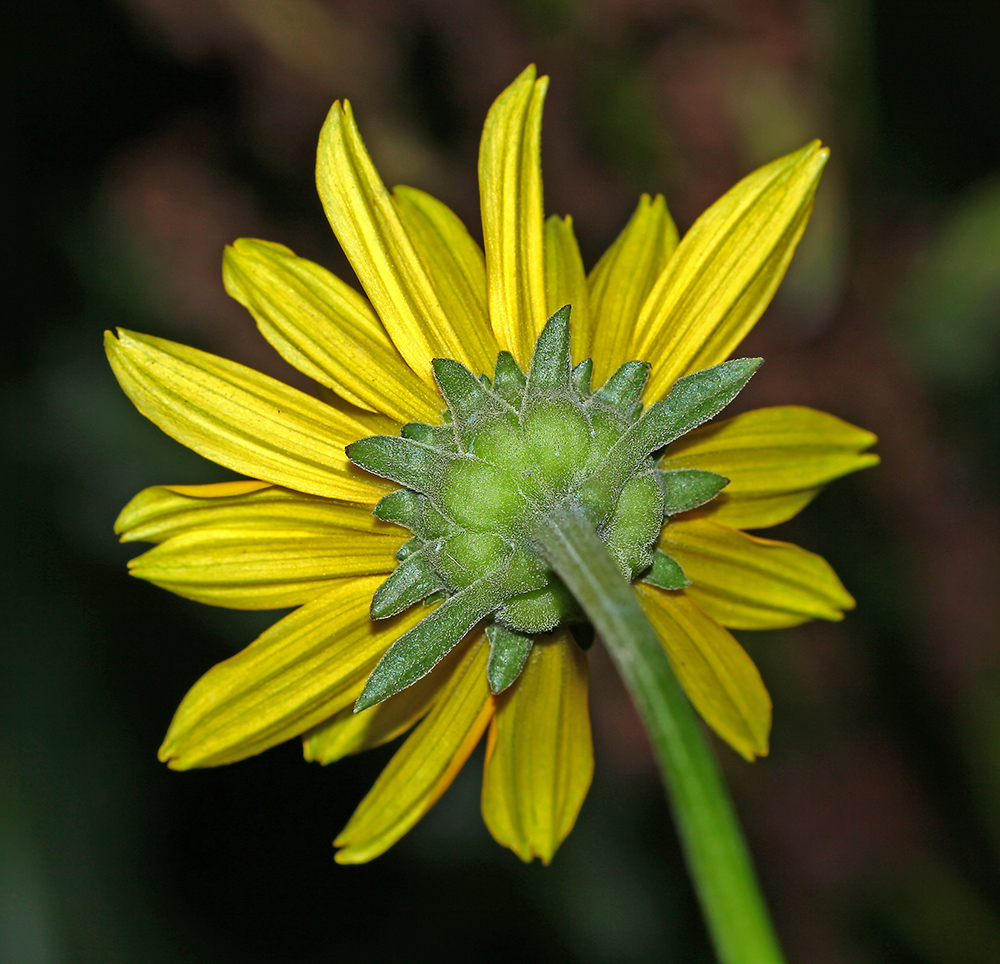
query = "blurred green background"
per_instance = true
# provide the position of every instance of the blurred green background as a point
(142, 135)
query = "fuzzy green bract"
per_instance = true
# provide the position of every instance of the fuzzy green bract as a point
(508, 452)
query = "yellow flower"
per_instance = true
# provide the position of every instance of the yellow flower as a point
(300, 532)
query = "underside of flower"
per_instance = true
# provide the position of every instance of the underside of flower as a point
(510, 451)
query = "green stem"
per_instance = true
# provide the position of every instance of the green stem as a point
(713, 843)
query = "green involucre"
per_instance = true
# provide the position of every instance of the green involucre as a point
(509, 452)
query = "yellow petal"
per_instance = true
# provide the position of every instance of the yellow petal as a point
(368, 227)
(726, 270)
(425, 764)
(374, 421)
(540, 758)
(163, 511)
(325, 329)
(715, 671)
(263, 568)
(454, 263)
(305, 668)
(349, 732)
(241, 419)
(510, 192)
(622, 279)
(776, 459)
(750, 583)
(566, 281)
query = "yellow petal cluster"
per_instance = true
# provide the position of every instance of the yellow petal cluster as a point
(298, 531)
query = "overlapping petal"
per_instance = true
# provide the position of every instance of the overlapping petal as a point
(715, 671)
(349, 732)
(566, 281)
(425, 764)
(325, 329)
(163, 511)
(726, 269)
(539, 758)
(368, 226)
(453, 260)
(621, 281)
(259, 568)
(510, 194)
(750, 583)
(303, 670)
(777, 459)
(241, 419)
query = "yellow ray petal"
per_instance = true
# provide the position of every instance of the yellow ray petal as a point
(425, 764)
(368, 227)
(163, 511)
(566, 281)
(375, 421)
(510, 192)
(726, 270)
(715, 671)
(749, 583)
(349, 732)
(305, 668)
(325, 329)
(454, 263)
(622, 279)
(776, 459)
(540, 758)
(241, 419)
(263, 568)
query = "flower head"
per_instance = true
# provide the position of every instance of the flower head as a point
(436, 614)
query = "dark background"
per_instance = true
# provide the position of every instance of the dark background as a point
(141, 136)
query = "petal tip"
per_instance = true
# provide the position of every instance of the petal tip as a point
(346, 858)
(168, 754)
(114, 341)
(528, 74)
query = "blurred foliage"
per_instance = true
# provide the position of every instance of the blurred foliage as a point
(949, 306)
(145, 134)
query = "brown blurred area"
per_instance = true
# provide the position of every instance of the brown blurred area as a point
(154, 132)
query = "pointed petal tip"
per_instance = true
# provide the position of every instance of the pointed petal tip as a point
(813, 148)
(814, 155)
(339, 112)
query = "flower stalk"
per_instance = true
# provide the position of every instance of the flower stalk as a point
(713, 844)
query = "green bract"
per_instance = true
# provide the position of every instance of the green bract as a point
(510, 451)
